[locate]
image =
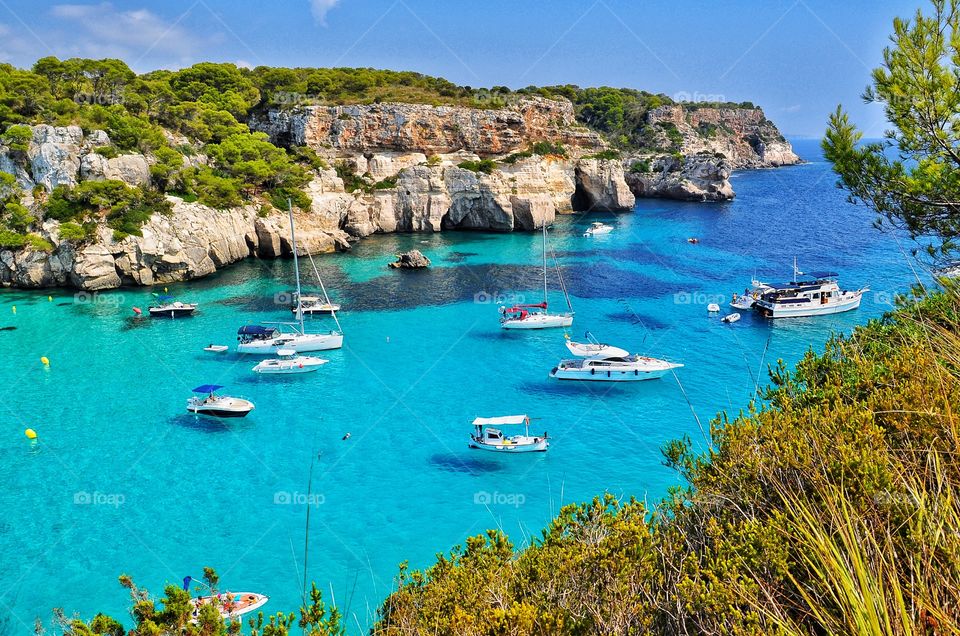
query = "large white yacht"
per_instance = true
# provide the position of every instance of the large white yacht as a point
(816, 294)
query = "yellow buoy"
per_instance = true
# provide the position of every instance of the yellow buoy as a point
(30, 433)
(50, 298)
(14, 309)
(45, 361)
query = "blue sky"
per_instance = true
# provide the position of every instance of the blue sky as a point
(796, 58)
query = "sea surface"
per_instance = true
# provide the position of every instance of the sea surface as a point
(123, 480)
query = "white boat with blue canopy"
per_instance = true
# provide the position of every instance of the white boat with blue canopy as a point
(217, 405)
(488, 436)
(816, 294)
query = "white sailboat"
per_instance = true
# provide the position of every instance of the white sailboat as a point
(536, 316)
(265, 340)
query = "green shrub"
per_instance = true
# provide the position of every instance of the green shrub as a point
(38, 243)
(351, 180)
(608, 154)
(299, 198)
(124, 208)
(486, 166)
(641, 166)
(16, 217)
(386, 184)
(17, 138)
(517, 156)
(213, 190)
(544, 148)
(12, 240)
(434, 160)
(71, 231)
(107, 151)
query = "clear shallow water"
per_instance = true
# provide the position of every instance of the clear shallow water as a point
(169, 493)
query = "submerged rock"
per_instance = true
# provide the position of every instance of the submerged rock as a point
(414, 259)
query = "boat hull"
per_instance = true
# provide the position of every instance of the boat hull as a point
(539, 446)
(231, 605)
(287, 368)
(538, 321)
(596, 375)
(217, 412)
(298, 343)
(779, 310)
(226, 407)
(156, 312)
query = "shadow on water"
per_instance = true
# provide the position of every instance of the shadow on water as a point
(640, 320)
(461, 464)
(135, 322)
(568, 388)
(458, 257)
(208, 424)
(8, 328)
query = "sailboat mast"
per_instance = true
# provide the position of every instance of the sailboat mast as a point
(544, 261)
(296, 264)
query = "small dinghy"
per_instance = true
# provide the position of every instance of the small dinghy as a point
(486, 437)
(212, 348)
(217, 405)
(230, 604)
(316, 305)
(289, 362)
(592, 348)
(167, 307)
(713, 308)
(598, 228)
(750, 295)
(730, 318)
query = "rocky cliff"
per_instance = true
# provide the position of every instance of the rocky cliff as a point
(420, 167)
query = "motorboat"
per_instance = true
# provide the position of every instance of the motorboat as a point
(734, 317)
(230, 604)
(631, 368)
(289, 362)
(487, 436)
(592, 348)
(270, 338)
(217, 405)
(315, 305)
(750, 295)
(537, 316)
(213, 348)
(598, 228)
(167, 307)
(817, 294)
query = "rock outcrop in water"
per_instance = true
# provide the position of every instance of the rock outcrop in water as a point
(414, 259)
(694, 178)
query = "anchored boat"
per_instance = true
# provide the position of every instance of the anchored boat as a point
(486, 437)
(750, 295)
(630, 368)
(817, 294)
(167, 307)
(272, 337)
(598, 228)
(289, 362)
(593, 348)
(217, 405)
(536, 316)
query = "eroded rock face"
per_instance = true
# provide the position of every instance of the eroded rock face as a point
(421, 128)
(744, 136)
(600, 186)
(131, 169)
(696, 178)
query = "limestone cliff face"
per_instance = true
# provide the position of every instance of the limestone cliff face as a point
(427, 129)
(744, 136)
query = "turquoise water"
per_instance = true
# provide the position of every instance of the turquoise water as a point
(122, 480)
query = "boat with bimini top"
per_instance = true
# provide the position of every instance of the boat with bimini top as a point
(487, 436)
(817, 294)
(217, 405)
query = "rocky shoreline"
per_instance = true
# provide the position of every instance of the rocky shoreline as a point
(416, 154)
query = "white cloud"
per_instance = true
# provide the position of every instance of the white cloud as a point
(320, 8)
(244, 64)
(102, 30)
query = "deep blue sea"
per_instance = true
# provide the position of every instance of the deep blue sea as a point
(123, 480)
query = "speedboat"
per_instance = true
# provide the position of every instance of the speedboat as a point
(597, 228)
(229, 604)
(271, 338)
(486, 437)
(816, 295)
(536, 316)
(217, 405)
(315, 305)
(750, 295)
(289, 362)
(167, 307)
(631, 368)
(593, 348)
